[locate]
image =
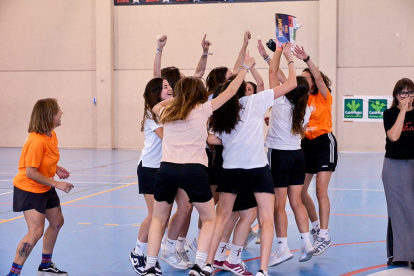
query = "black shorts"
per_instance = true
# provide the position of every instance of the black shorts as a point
(146, 179)
(192, 178)
(24, 201)
(246, 182)
(321, 153)
(215, 168)
(287, 167)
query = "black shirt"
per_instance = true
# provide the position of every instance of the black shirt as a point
(403, 148)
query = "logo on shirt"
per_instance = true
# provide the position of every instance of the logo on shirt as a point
(408, 127)
(312, 108)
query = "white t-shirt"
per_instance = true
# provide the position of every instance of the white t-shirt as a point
(243, 147)
(152, 151)
(280, 134)
(184, 142)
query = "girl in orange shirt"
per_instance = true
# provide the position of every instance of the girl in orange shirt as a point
(34, 187)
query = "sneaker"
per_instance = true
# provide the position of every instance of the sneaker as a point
(306, 252)
(261, 273)
(51, 270)
(196, 271)
(315, 233)
(183, 255)
(149, 272)
(251, 236)
(238, 269)
(208, 270)
(158, 269)
(218, 264)
(276, 258)
(391, 262)
(138, 262)
(193, 245)
(186, 245)
(320, 245)
(163, 241)
(174, 260)
(258, 236)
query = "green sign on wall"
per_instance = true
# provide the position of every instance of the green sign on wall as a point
(353, 109)
(376, 108)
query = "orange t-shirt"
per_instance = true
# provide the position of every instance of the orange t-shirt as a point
(320, 121)
(41, 152)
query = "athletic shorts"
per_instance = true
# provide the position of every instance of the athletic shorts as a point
(215, 168)
(24, 201)
(246, 182)
(287, 167)
(321, 153)
(146, 179)
(192, 178)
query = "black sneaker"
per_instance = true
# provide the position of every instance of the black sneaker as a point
(196, 271)
(138, 262)
(391, 262)
(51, 270)
(149, 272)
(158, 269)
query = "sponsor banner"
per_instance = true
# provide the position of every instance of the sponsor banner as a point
(364, 108)
(164, 2)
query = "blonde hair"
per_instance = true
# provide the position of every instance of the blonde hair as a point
(189, 92)
(41, 120)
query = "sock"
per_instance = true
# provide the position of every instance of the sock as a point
(324, 234)
(15, 270)
(235, 253)
(140, 247)
(170, 245)
(46, 260)
(281, 244)
(151, 261)
(304, 238)
(201, 258)
(180, 243)
(316, 225)
(221, 251)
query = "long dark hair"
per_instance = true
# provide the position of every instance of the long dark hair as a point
(216, 77)
(400, 86)
(254, 86)
(314, 88)
(227, 116)
(172, 74)
(298, 98)
(152, 96)
(189, 92)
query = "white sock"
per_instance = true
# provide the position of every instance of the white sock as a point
(221, 251)
(140, 247)
(170, 245)
(281, 244)
(324, 234)
(235, 253)
(304, 238)
(316, 225)
(151, 261)
(180, 243)
(201, 258)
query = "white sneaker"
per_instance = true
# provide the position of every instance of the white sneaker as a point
(276, 258)
(258, 236)
(174, 260)
(193, 245)
(261, 273)
(306, 252)
(186, 245)
(163, 241)
(252, 235)
(315, 233)
(183, 255)
(321, 244)
(208, 270)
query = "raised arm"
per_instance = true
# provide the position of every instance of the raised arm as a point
(231, 90)
(290, 83)
(202, 64)
(242, 53)
(157, 108)
(262, 51)
(274, 67)
(301, 54)
(256, 76)
(157, 62)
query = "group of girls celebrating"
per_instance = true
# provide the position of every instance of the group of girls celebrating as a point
(204, 146)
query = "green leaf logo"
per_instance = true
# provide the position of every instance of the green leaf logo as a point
(352, 106)
(376, 108)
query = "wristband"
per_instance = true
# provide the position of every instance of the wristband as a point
(290, 62)
(159, 50)
(245, 66)
(206, 55)
(266, 58)
(306, 59)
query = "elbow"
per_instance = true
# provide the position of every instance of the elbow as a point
(393, 138)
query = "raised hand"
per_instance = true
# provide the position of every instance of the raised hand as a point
(286, 51)
(247, 37)
(261, 48)
(162, 41)
(404, 103)
(64, 186)
(300, 53)
(205, 44)
(250, 62)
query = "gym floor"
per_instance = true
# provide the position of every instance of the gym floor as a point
(104, 211)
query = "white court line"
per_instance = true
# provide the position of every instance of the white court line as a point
(6, 193)
(82, 182)
(104, 227)
(340, 189)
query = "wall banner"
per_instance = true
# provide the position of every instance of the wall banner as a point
(163, 2)
(364, 108)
